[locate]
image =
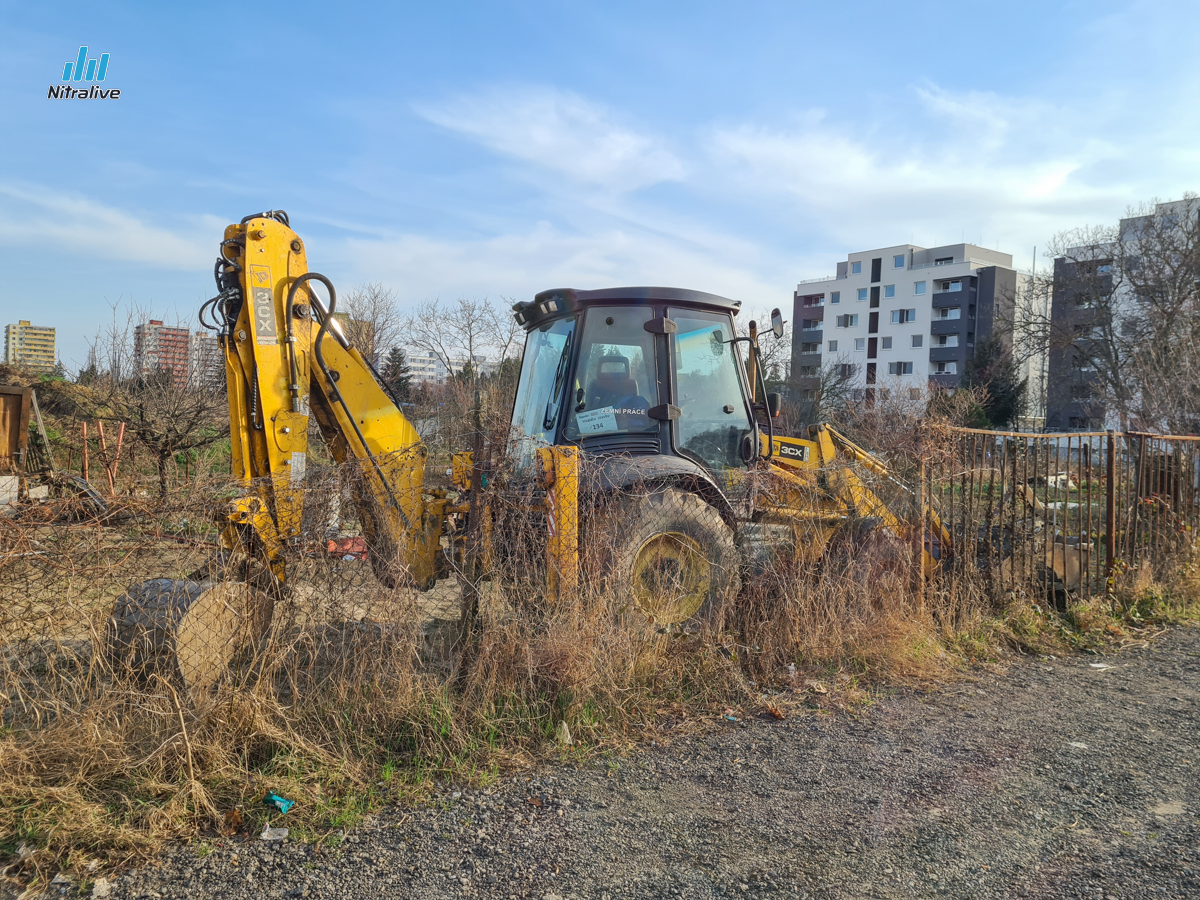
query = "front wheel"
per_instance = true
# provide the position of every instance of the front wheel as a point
(668, 554)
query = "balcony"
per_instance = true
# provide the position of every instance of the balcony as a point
(947, 354)
(974, 261)
(953, 298)
(949, 326)
(817, 280)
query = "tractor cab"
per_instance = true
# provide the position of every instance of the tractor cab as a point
(639, 371)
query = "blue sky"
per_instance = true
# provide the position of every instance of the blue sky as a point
(488, 150)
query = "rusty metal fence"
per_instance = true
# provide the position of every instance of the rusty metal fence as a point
(1064, 512)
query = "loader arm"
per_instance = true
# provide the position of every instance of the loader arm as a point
(866, 503)
(286, 358)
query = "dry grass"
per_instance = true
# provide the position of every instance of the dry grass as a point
(361, 695)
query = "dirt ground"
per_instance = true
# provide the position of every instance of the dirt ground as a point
(1069, 777)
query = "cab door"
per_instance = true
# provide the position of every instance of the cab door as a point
(714, 410)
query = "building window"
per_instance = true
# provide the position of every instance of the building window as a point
(1081, 392)
(833, 346)
(898, 261)
(948, 312)
(847, 321)
(1079, 423)
(901, 316)
(856, 268)
(946, 368)
(943, 261)
(918, 340)
(810, 348)
(862, 295)
(1103, 270)
(860, 344)
(914, 393)
(846, 370)
(835, 297)
(885, 343)
(900, 368)
(919, 288)
(889, 290)
(810, 394)
(949, 286)
(945, 340)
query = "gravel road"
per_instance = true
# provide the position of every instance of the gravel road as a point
(1053, 778)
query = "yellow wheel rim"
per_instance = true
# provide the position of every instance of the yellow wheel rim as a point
(670, 577)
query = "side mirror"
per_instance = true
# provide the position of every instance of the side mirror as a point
(774, 404)
(777, 322)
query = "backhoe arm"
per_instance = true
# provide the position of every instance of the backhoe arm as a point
(286, 358)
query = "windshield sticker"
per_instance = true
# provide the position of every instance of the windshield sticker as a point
(597, 421)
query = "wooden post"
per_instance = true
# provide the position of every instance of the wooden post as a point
(104, 459)
(117, 455)
(85, 452)
(1110, 512)
(469, 612)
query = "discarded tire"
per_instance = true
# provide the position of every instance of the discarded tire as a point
(187, 631)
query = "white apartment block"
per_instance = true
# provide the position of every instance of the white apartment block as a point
(900, 316)
(430, 369)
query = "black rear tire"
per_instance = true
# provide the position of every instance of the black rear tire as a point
(668, 554)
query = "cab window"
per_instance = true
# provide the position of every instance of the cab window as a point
(713, 414)
(616, 381)
(539, 393)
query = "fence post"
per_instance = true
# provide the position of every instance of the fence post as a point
(1110, 511)
(469, 613)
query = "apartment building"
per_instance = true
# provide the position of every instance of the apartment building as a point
(1083, 298)
(206, 361)
(899, 316)
(430, 369)
(159, 347)
(29, 346)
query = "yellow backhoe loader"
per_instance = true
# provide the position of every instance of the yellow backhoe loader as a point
(634, 406)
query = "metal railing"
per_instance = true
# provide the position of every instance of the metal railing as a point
(1074, 511)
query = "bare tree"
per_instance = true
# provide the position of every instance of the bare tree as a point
(373, 322)
(832, 392)
(453, 333)
(776, 354)
(165, 411)
(504, 334)
(1126, 315)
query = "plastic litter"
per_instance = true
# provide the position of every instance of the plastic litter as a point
(729, 716)
(564, 734)
(273, 834)
(280, 803)
(1100, 665)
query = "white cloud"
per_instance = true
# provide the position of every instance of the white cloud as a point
(979, 166)
(520, 263)
(561, 132)
(39, 216)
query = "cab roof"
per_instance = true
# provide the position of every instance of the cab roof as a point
(560, 301)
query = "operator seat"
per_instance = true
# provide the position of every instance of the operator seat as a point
(612, 383)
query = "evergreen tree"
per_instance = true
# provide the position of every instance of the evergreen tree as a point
(994, 369)
(467, 373)
(396, 374)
